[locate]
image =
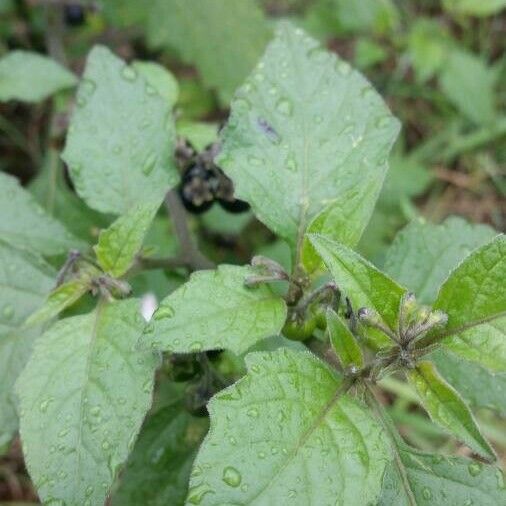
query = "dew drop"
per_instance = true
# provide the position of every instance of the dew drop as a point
(253, 413)
(196, 346)
(284, 106)
(8, 312)
(474, 469)
(231, 477)
(426, 493)
(149, 164)
(164, 311)
(196, 493)
(128, 73)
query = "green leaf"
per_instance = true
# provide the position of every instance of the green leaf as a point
(121, 138)
(423, 254)
(365, 285)
(469, 84)
(59, 299)
(418, 478)
(447, 409)
(337, 221)
(83, 395)
(31, 77)
(25, 281)
(287, 434)
(15, 349)
(343, 341)
(199, 134)
(206, 34)
(213, 310)
(160, 79)
(53, 193)
(406, 179)
(366, 15)
(474, 8)
(305, 131)
(428, 46)
(119, 244)
(474, 298)
(25, 224)
(158, 470)
(477, 385)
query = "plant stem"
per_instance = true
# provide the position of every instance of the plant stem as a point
(393, 434)
(190, 253)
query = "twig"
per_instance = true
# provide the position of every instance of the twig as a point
(192, 256)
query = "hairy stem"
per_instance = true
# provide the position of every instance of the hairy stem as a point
(193, 258)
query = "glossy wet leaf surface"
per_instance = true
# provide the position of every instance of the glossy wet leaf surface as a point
(83, 396)
(478, 386)
(27, 225)
(158, 470)
(305, 131)
(447, 408)
(209, 37)
(431, 479)
(363, 283)
(213, 310)
(284, 435)
(474, 298)
(120, 142)
(423, 254)
(119, 244)
(343, 341)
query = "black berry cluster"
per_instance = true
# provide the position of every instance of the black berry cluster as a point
(203, 183)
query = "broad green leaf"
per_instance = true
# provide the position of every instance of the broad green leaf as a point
(366, 15)
(31, 77)
(337, 221)
(121, 138)
(15, 349)
(83, 395)
(25, 281)
(469, 84)
(477, 385)
(417, 478)
(52, 192)
(427, 46)
(365, 285)
(287, 434)
(160, 79)
(423, 254)
(474, 7)
(447, 408)
(305, 131)
(119, 244)
(343, 341)
(25, 224)
(474, 298)
(206, 34)
(158, 470)
(214, 310)
(199, 134)
(368, 53)
(59, 299)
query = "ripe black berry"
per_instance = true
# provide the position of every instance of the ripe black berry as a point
(74, 14)
(234, 206)
(197, 188)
